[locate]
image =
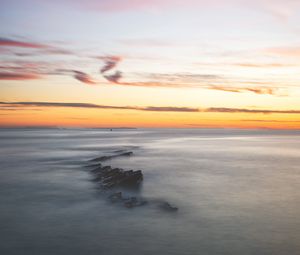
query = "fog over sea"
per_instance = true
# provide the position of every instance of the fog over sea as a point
(237, 192)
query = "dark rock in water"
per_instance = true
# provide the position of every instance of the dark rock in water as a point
(111, 177)
(128, 202)
(131, 178)
(104, 158)
(133, 202)
(167, 207)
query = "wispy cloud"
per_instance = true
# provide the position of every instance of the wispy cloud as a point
(96, 106)
(114, 78)
(38, 69)
(18, 76)
(83, 77)
(6, 42)
(78, 75)
(256, 90)
(271, 121)
(109, 62)
(16, 105)
(244, 110)
(190, 80)
(39, 48)
(263, 65)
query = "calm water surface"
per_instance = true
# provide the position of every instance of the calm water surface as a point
(238, 192)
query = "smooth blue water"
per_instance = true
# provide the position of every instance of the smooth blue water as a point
(237, 192)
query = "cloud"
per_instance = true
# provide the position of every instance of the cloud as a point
(95, 106)
(114, 78)
(266, 65)
(176, 80)
(242, 110)
(167, 80)
(110, 62)
(26, 45)
(168, 109)
(83, 77)
(279, 121)
(19, 76)
(57, 51)
(78, 75)
(256, 90)
(25, 70)
(190, 80)
(21, 105)
(5, 42)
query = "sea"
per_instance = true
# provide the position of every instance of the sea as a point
(237, 192)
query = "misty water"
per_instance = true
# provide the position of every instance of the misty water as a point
(238, 192)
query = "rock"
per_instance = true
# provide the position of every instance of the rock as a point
(111, 177)
(104, 158)
(131, 178)
(133, 202)
(167, 207)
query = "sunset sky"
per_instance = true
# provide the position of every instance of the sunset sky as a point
(150, 63)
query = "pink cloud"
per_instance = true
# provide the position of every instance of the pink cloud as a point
(4, 42)
(83, 77)
(18, 76)
(109, 62)
(114, 78)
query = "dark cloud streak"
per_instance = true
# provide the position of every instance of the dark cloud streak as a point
(243, 110)
(114, 78)
(148, 108)
(78, 75)
(110, 62)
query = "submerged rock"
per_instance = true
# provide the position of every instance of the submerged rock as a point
(104, 158)
(113, 178)
(133, 202)
(128, 202)
(167, 207)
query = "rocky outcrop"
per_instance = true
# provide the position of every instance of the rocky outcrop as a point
(112, 180)
(110, 177)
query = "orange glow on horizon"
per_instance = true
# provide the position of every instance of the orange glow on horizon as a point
(93, 118)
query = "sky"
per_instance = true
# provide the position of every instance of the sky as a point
(150, 63)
